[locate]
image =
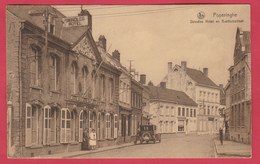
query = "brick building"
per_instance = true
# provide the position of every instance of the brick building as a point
(145, 102)
(240, 89)
(172, 111)
(125, 116)
(51, 90)
(136, 105)
(198, 86)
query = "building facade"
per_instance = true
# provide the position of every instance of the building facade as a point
(136, 105)
(198, 86)
(145, 101)
(227, 110)
(240, 89)
(125, 116)
(172, 111)
(51, 87)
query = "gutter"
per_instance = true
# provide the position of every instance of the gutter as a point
(20, 84)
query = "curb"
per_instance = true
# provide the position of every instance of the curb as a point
(98, 151)
(228, 154)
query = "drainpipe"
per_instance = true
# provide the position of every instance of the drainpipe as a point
(20, 84)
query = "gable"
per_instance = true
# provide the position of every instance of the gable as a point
(85, 48)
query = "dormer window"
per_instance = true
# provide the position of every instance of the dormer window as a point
(51, 27)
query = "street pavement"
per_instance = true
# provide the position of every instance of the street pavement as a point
(232, 149)
(172, 146)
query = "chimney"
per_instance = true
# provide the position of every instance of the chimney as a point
(103, 42)
(89, 17)
(116, 55)
(183, 65)
(169, 67)
(163, 85)
(205, 71)
(143, 79)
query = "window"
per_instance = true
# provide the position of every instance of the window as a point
(111, 89)
(91, 120)
(108, 125)
(242, 114)
(49, 130)
(81, 126)
(53, 73)
(99, 126)
(183, 111)
(94, 86)
(194, 112)
(35, 67)
(208, 110)
(65, 135)
(191, 112)
(187, 112)
(32, 125)
(102, 87)
(73, 78)
(179, 111)
(115, 125)
(84, 77)
(51, 28)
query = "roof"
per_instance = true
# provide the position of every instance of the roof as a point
(69, 34)
(199, 77)
(165, 94)
(72, 34)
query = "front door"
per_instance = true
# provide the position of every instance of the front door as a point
(123, 125)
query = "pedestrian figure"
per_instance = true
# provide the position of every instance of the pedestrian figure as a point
(138, 135)
(85, 143)
(221, 135)
(92, 139)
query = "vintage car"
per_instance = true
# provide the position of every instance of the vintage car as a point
(148, 133)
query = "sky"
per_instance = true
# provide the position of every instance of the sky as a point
(153, 35)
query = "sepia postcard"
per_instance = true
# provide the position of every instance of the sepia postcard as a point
(128, 81)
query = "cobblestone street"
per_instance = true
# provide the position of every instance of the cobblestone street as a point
(172, 146)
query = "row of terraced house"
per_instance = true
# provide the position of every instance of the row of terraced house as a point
(61, 81)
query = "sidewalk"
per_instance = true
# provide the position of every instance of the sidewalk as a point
(232, 149)
(79, 153)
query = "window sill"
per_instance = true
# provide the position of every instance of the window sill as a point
(35, 146)
(74, 143)
(54, 144)
(56, 92)
(36, 87)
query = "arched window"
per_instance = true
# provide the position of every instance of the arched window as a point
(49, 130)
(32, 125)
(84, 77)
(65, 135)
(99, 126)
(111, 89)
(115, 125)
(108, 125)
(54, 72)
(73, 78)
(35, 69)
(81, 126)
(102, 87)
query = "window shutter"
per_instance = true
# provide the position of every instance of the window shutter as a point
(34, 126)
(28, 122)
(62, 126)
(126, 129)
(115, 126)
(68, 126)
(52, 126)
(81, 126)
(46, 125)
(52, 77)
